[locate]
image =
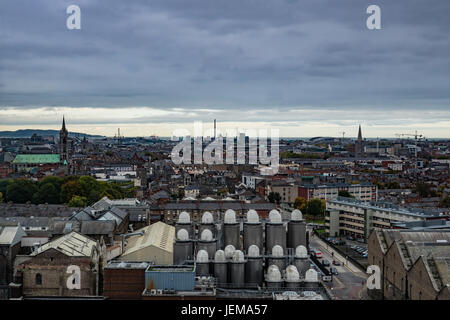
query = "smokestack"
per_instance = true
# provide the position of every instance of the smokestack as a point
(214, 129)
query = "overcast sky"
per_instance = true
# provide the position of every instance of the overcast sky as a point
(307, 67)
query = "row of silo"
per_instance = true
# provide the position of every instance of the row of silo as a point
(275, 232)
(292, 279)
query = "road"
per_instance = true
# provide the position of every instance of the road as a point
(349, 284)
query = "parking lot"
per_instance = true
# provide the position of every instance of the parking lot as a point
(351, 248)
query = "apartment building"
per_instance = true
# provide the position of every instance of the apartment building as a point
(363, 191)
(352, 217)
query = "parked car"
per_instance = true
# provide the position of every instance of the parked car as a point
(350, 238)
(333, 270)
(336, 263)
(318, 254)
(353, 247)
(364, 255)
(325, 262)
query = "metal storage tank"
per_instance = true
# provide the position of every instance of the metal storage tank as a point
(254, 272)
(237, 268)
(296, 230)
(207, 223)
(231, 229)
(311, 279)
(184, 222)
(273, 277)
(301, 260)
(182, 248)
(207, 243)
(275, 231)
(220, 267)
(292, 277)
(277, 257)
(202, 263)
(253, 231)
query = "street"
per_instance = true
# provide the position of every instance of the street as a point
(349, 284)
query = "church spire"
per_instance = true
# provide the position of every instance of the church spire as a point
(64, 124)
(359, 134)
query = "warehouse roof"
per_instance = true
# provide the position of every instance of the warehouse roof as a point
(73, 244)
(37, 158)
(10, 235)
(159, 235)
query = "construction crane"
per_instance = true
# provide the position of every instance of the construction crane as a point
(416, 136)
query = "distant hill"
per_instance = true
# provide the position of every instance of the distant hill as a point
(27, 133)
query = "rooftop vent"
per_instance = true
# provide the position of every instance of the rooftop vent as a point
(219, 256)
(292, 273)
(301, 252)
(184, 217)
(207, 218)
(230, 216)
(238, 256)
(252, 216)
(182, 235)
(229, 250)
(274, 216)
(311, 276)
(277, 251)
(206, 235)
(296, 215)
(253, 251)
(273, 273)
(202, 256)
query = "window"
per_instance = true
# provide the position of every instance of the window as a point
(38, 278)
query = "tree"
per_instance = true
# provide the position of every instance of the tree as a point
(1, 197)
(21, 191)
(77, 201)
(345, 193)
(49, 193)
(4, 183)
(274, 197)
(445, 202)
(300, 203)
(424, 190)
(316, 207)
(88, 184)
(70, 189)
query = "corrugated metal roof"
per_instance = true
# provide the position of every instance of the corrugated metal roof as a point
(37, 158)
(72, 244)
(159, 234)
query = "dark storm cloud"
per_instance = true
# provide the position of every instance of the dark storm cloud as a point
(226, 54)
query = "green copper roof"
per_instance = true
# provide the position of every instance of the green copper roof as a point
(37, 158)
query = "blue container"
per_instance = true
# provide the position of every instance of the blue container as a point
(178, 278)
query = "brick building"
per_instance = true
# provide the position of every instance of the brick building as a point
(414, 265)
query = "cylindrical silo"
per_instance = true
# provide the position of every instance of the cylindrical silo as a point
(184, 222)
(273, 278)
(231, 230)
(253, 231)
(301, 260)
(207, 243)
(296, 230)
(237, 268)
(311, 279)
(220, 268)
(207, 223)
(275, 231)
(229, 251)
(277, 257)
(202, 263)
(292, 277)
(182, 248)
(254, 272)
